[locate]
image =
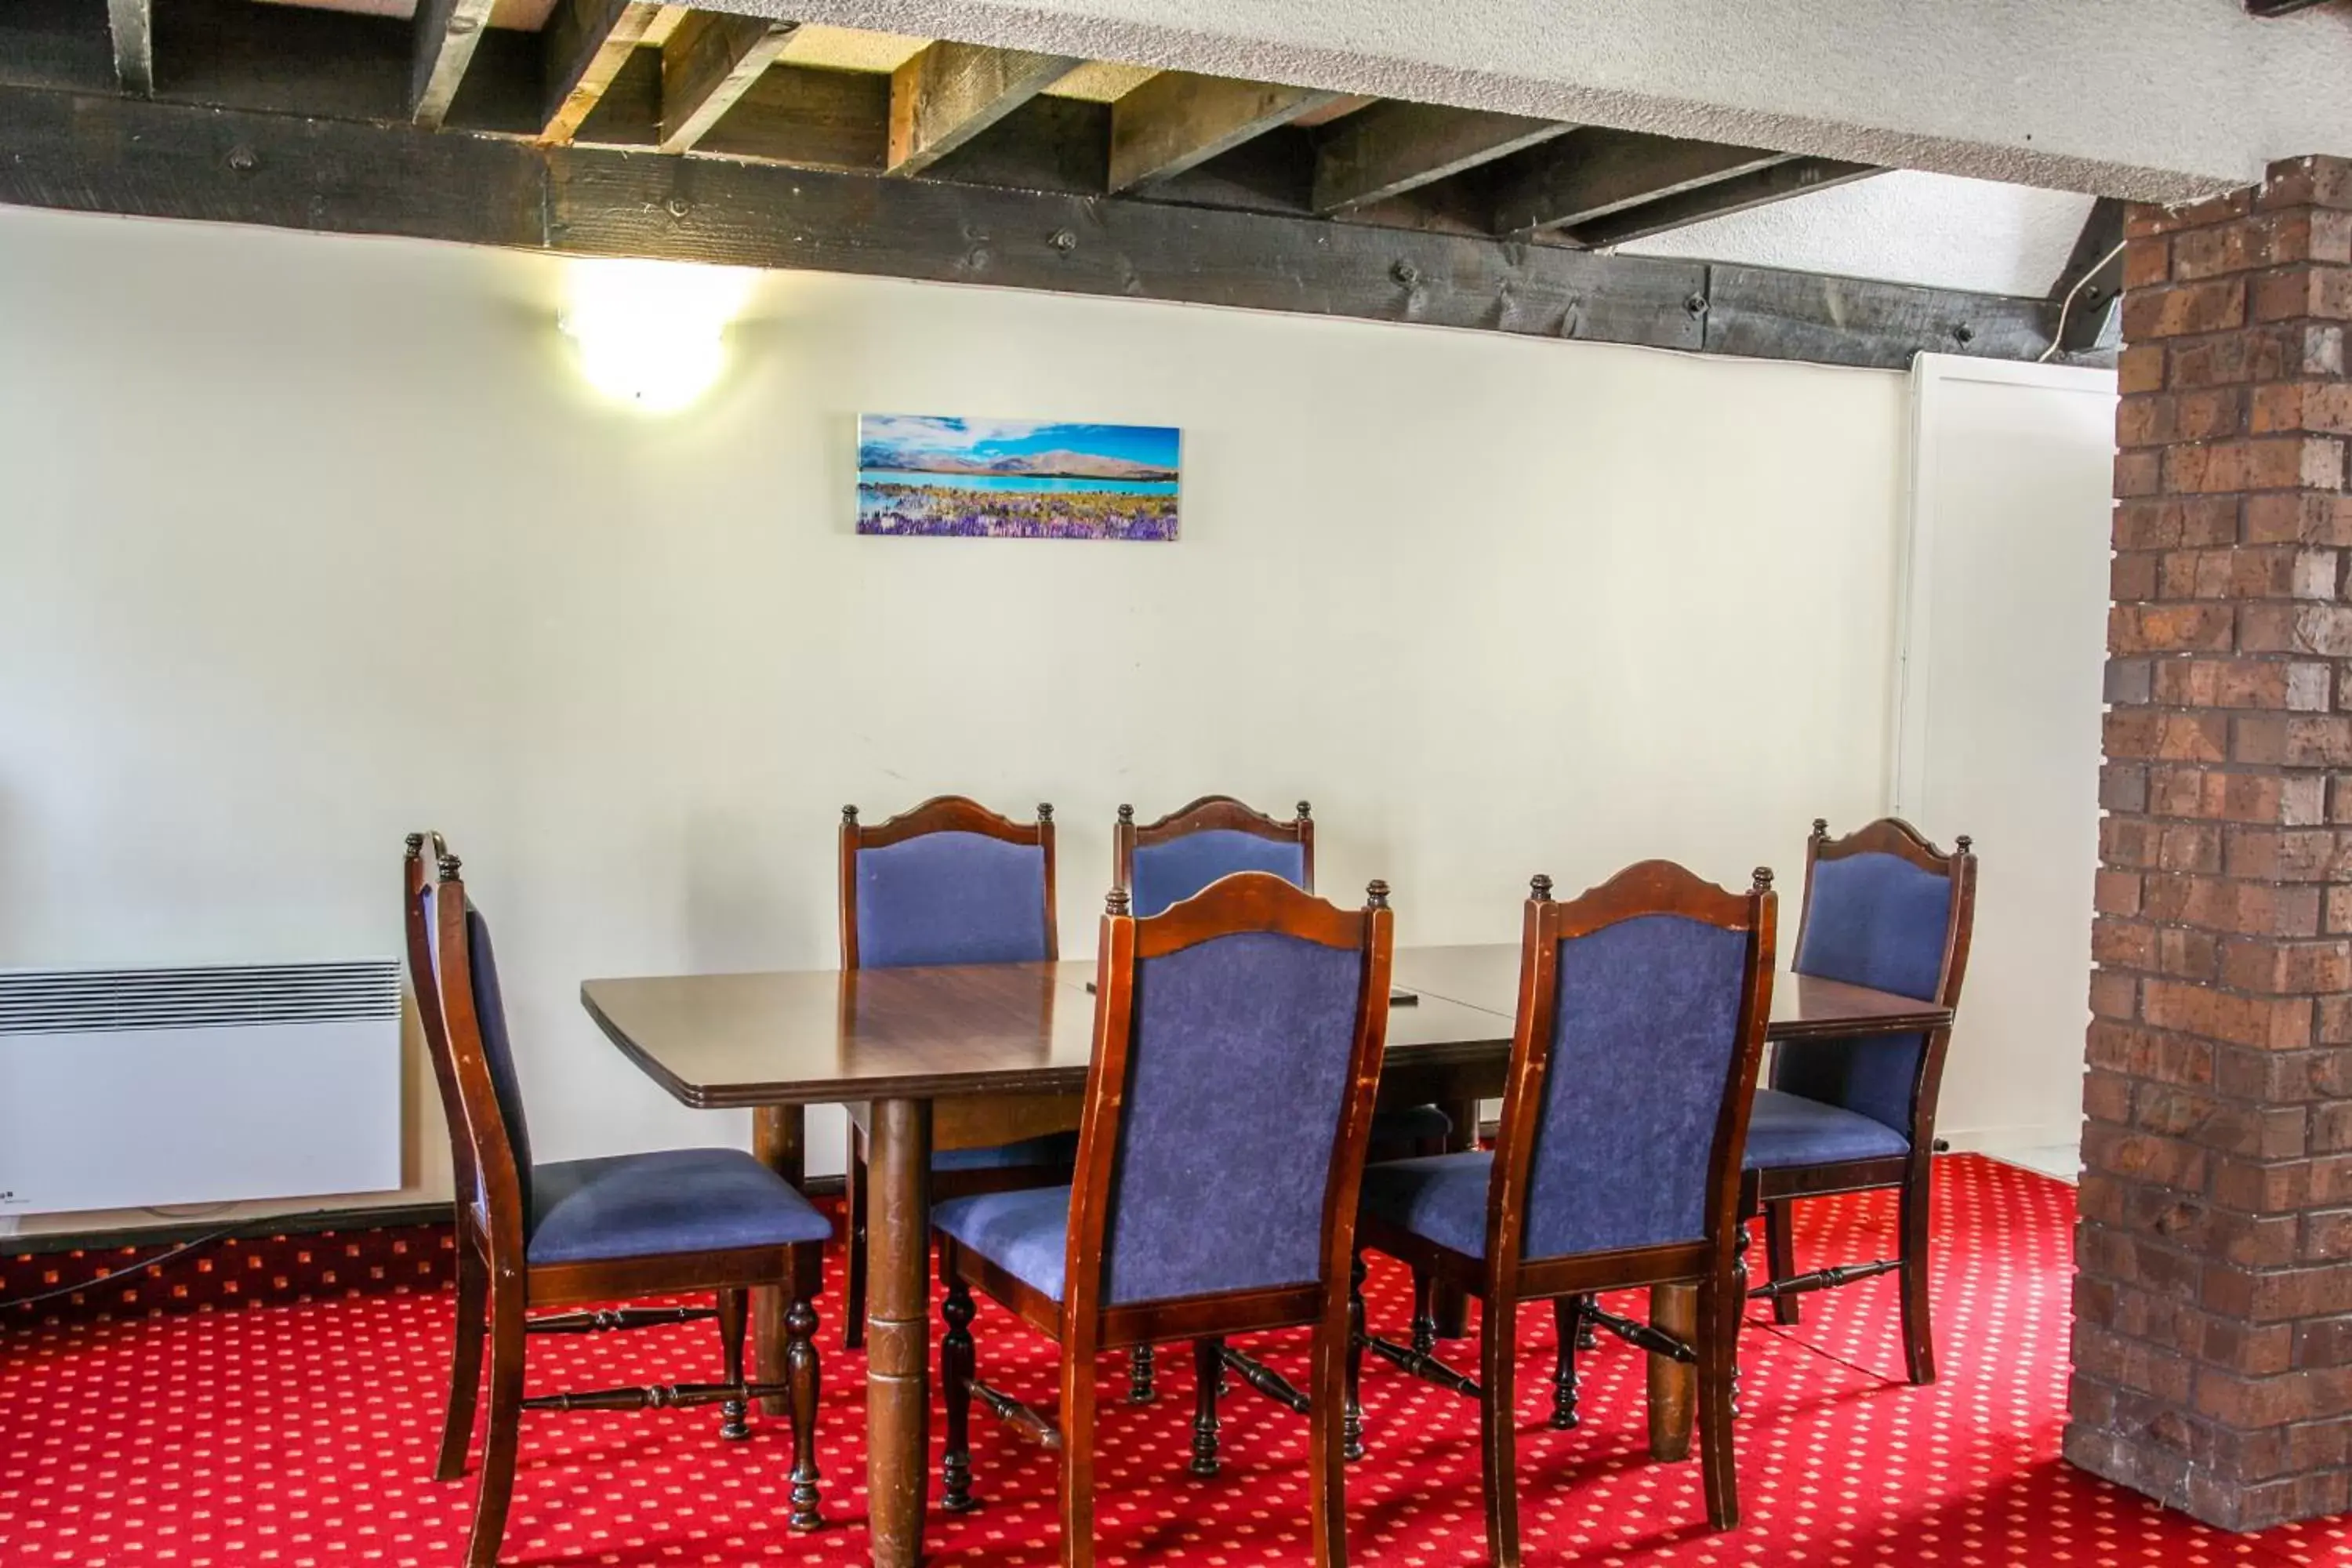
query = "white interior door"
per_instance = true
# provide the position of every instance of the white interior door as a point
(1998, 720)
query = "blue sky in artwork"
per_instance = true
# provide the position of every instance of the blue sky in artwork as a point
(991, 438)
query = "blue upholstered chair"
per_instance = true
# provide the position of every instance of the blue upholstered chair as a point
(1237, 1048)
(1885, 909)
(569, 1232)
(948, 882)
(1617, 1162)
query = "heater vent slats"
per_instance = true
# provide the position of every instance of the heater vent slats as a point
(79, 1001)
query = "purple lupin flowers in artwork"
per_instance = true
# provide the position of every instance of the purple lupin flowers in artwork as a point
(1015, 478)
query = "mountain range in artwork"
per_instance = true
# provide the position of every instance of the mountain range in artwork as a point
(1007, 478)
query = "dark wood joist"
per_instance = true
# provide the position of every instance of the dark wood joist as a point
(446, 34)
(708, 65)
(131, 24)
(103, 153)
(951, 93)
(2086, 302)
(1796, 177)
(1177, 120)
(1391, 148)
(586, 44)
(1585, 178)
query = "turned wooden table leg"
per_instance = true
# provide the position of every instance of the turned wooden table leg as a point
(1447, 1304)
(898, 1328)
(780, 1139)
(1673, 1387)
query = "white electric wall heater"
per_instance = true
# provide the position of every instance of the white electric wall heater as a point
(133, 1087)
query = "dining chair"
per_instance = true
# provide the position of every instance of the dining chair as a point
(568, 1233)
(948, 882)
(1167, 861)
(1887, 909)
(1228, 1107)
(1641, 1025)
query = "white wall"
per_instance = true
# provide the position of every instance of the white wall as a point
(305, 543)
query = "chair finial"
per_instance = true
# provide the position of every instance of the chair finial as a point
(417, 845)
(1125, 812)
(1964, 844)
(1117, 904)
(849, 816)
(1305, 811)
(1376, 894)
(1820, 827)
(450, 866)
(1539, 888)
(1044, 811)
(1763, 883)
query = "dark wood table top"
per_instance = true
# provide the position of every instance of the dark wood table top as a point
(818, 1036)
(1804, 1006)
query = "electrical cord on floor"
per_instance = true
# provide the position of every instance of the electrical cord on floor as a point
(263, 1223)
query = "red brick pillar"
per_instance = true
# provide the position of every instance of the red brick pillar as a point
(2212, 1347)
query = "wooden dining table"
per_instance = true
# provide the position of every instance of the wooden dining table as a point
(967, 1055)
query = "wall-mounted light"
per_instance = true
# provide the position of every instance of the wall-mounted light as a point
(651, 333)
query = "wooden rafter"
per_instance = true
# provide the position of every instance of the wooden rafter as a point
(1178, 120)
(1391, 148)
(1595, 172)
(446, 34)
(951, 92)
(586, 43)
(709, 63)
(2084, 301)
(1779, 181)
(131, 24)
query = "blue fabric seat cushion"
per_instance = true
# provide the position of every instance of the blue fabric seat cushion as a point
(1410, 1124)
(674, 1200)
(1788, 1130)
(1025, 1233)
(1054, 1149)
(1442, 1197)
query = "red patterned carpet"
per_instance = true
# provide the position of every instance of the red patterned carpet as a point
(304, 1434)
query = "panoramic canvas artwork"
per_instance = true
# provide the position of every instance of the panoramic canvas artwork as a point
(1015, 478)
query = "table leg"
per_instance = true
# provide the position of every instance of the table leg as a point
(780, 1139)
(898, 1328)
(1447, 1305)
(1673, 1387)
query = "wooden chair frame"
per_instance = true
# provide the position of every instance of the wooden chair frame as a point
(1211, 813)
(497, 1284)
(1774, 1193)
(981, 1125)
(1081, 1323)
(1503, 1279)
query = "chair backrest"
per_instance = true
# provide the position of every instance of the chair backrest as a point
(455, 974)
(1165, 862)
(1642, 1006)
(1887, 909)
(948, 882)
(1237, 1049)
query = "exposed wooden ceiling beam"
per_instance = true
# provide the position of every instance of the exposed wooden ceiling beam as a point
(586, 43)
(1178, 120)
(951, 92)
(1391, 148)
(446, 32)
(92, 152)
(711, 61)
(1796, 177)
(133, 25)
(1595, 172)
(2084, 301)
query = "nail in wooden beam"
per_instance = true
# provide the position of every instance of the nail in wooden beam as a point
(587, 43)
(1595, 172)
(710, 62)
(1391, 148)
(133, 23)
(1799, 177)
(446, 32)
(951, 93)
(1177, 120)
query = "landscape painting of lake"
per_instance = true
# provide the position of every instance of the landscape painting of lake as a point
(1015, 478)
